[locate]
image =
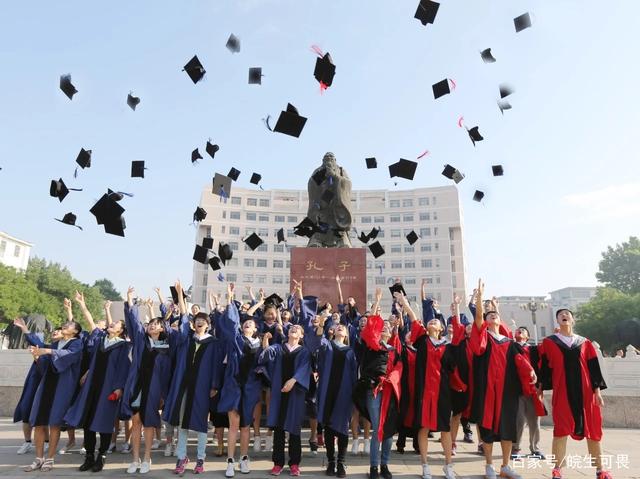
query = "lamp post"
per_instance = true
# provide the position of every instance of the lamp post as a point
(533, 307)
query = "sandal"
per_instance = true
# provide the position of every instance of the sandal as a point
(35, 465)
(47, 465)
(67, 448)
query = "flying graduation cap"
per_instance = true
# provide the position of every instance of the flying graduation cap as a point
(207, 242)
(199, 214)
(109, 214)
(486, 56)
(426, 11)
(376, 249)
(69, 219)
(324, 71)
(505, 90)
(195, 155)
(233, 44)
(522, 22)
(253, 241)
(200, 254)
(452, 173)
(475, 135)
(255, 178)
(133, 101)
(117, 195)
(290, 122)
(403, 169)
(59, 190)
(255, 76)
(442, 88)
(497, 170)
(194, 69)
(373, 234)
(221, 186)
(224, 252)
(214, 262)
(137, 169)
(280, 235)
(478, 195)
(233, 174)
(412, 237)
(371, 163)
(211, 149)
(84, 158)
(67, 87)
(503, 105)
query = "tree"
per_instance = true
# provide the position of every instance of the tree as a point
(107, 289)
(620, 267)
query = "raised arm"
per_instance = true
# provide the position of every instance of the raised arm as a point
(406, 307)
(149, 304)
(159, 295)
(66, 304)
(79, 297)
(107, 313)
(258, 305)
(181, 303)
(340, 298)
(376, 304)
(423, 292)
(478, 320)
(251, 295)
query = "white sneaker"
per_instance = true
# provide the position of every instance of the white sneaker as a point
(245, 466)
(426, 472)
(257, 443)
(355, 445)
(133, 467)
(126, 448)
(168, 450)
(231, 468)
(268, 443)
(155, 444)
(506, 471)
(489, 472)
(145, 467)
(367, 446)
(448, 471)
(25, 448)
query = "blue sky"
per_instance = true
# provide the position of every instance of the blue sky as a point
(571, 184)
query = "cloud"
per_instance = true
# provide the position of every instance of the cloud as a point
(613, 202)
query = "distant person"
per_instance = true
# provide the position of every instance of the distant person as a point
(619, 353)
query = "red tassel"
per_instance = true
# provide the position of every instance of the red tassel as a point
(317, 50)
(453, 84)
(461, 122)
(112, 397)
(425, 153)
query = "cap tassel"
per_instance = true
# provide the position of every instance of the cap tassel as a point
(317, 50)
(423, 154)
(75, 172)
(223, 194)
(461, 122)
(266, 122)
(453, 83)
(220, 277)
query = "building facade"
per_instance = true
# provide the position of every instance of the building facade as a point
(514, 312)
(571, 297)
(14, 252)
(433, 213)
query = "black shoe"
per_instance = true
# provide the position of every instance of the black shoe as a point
(341, 471)
(331, 468)
(373, 472)
(89, 461)
(99, 464)
(468, 438)
(400, 450)
(385, 473)
(313, 446)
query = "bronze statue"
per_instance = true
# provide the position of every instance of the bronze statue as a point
(330, 205)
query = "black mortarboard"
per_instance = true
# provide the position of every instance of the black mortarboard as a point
(214, 263)
(441, 88)
(106, 209)
(280, 235)
(233, 44)
(200, 254)
(211, 150)
(67, 87)
(363, 237)
(475, 135)
(376, 249)
(137, 169)
(224, 252)
(504, 105)
(426, 11)
(397, 288)
(174, 294)
(207, 242)
(274, 299)
(115, 226)
(69, 219)
(478, 195)
(393, 170)
(255, 178)
(412, 237)
(84, 158)
(327, 195)
(59, 190)
(522, 22)
(319, 176)
(255, 76)
(199, 214)
(452, 173)
(117, 195)
(405, 169)
(371, 163)
(221, 185)
(486, 55)
(324, 70)
(194, 69)
(253, 241)
(497, 170)
(305, 228)
(505, 90)
(233, 174)
(195, 156)
(290, 122)
(373, 234)
(132, 101)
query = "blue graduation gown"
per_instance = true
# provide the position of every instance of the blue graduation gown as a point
(108, 371)
(150, 370)
(23, 409)
(61, 372)
(242, 386)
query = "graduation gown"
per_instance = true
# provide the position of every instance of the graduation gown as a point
(31, 382)
(407, 389)
(61, 372)
(286, 409)
(573, 373)
(108, 371)
(241, 386)
(463, 356)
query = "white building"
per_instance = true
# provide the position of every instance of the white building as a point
(435, 214)
(14, 252)
(571, 297)
(514, 311)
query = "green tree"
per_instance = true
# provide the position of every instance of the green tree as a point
(620, 267)
(107, 289)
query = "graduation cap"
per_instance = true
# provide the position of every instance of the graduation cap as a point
(174, 294)
(255, 178)
(376, 249)
(199, 214)
(426, 11)
(412, 237)
(441, 88)
(195, 156)
(503, 105)
(478, 195)
(497, 170)
(522, 22)
(233, 174)
(67, 87)
(194, 69)
(393, 170)
(200, 254)
(305, 228)
(505, 90)
(115, 226)
(224, 252)
(403, 169)
(137, 169)
(221, 185)
(106, 209)
(324, 71)
(117, 195)
(373, 234)
(397, 288)
(69, 219)
(215, 263)
(280, 235)
(132, 101)
(452, 173)
(363, 237)
(233, 44)
(486, 55)
(84, 158)
(253, 241)
(210, 148)
(59, 190)
(371, 163)
(290, 122)
(475, 135)
(274, 299)
(207, 242)
(255, 76)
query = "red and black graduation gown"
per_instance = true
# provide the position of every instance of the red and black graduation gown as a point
(461, 349)
(573, 373)
(407, 385)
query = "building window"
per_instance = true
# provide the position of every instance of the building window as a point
(436, 246)
(264, 232)
(247, 278)
(249, 262)
(378, 219)
(453, 250)
(263, 218)
(290, 234)
(222, 229)
(409, 249)
(288, 264)
(204, 279)
(232, 277)
(435, 216)
(394, 203)
(396, 265)
(235, 200)
(425, 248)
(251, 216)
(379, 264)
(396, 248)
(396, 233)
(426, 263)
(409, 281)
(423, 201)
(381, 233)
(232, 262)
(234, 230)
(292, 219)
(425, 232)
(407, 218)
(543, 331)
(224, 215)
(263, 247)
(410, 264)
(252, 202)
(453, 266)
(424, 216)
(433, 200)
(234, 215)
(429, 280)
(248, 231)
(203, 298)
(437, 279)
(380, 280)
(394, 218)
(264, 202)
(16, 251)
(365, 219)
(454, 282)
(278, 219)
(277, 279)
(233, 245)
(437, 262)
(261, 278)
(435, 231)
(261, 263)
(407, 202)
(208, 231)
(278, 263)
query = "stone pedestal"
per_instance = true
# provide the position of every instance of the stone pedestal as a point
(317, 269)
